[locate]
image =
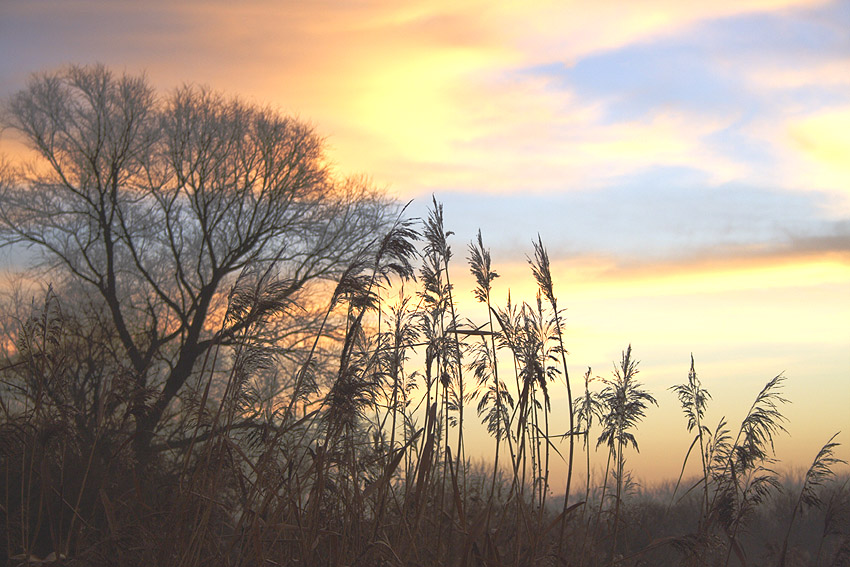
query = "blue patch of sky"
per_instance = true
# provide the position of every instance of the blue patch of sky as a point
(663, 213)
(639, 80)
(758, 154)
(796, 40)
(703, 68)
(796, 35)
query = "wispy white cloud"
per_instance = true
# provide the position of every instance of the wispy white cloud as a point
(570, 30)
(773, 76)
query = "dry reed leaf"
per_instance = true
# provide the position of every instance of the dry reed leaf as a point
(391, 467)
(109, 510)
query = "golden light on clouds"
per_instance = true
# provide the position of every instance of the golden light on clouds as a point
(410, 101)
(825, 137)
(603, 277)
(744, 274)
(426, 95)
(815, 152)
(450, 110)
(423, 96)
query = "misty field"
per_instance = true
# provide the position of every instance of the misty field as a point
(224, 354)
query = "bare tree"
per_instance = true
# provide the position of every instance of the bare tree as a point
(155, 204)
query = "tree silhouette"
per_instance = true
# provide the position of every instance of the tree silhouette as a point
(155, 204)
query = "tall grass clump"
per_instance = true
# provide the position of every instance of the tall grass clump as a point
(694, 399)
(625, 403)
(820, 471)
(743, 479)
(540, 267)
(495, 401)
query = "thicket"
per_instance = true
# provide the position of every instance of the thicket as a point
(243, 360)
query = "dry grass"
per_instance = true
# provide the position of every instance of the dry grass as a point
(336, 452)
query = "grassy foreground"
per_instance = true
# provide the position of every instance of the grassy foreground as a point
(333, 448)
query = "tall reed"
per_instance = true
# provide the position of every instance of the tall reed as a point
(693, 398)
(626, 402)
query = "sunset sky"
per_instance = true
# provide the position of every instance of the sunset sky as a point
(687, 164)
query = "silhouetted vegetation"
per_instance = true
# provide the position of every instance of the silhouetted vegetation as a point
(244, 360)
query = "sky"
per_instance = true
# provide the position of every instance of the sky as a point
(686, 164)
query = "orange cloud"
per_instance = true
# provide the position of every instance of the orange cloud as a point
(603, 278)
